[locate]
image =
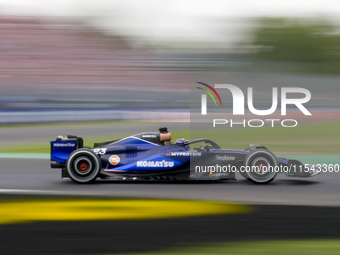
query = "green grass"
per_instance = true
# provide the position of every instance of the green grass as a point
(44, 147)
(296, 68)
(310, 247)
(305, 139)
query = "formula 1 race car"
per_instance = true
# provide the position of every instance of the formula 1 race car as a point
(151, 156)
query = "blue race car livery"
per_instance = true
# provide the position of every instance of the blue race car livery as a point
(152, 156)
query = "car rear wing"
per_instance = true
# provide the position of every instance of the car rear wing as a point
(62, 147)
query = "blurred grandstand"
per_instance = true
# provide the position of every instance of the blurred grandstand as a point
(63, 70)
(60, 69)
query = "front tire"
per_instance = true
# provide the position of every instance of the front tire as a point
(261, 166)
(83, 166)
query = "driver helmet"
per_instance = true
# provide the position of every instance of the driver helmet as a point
(181, 140)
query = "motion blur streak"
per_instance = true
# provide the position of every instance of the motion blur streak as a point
(132, 209)
(62, 68)
(129, 60)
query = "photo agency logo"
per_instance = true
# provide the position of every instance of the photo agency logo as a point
(239, 104)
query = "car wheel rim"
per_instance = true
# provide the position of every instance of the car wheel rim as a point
(83, 165)
(261, 166)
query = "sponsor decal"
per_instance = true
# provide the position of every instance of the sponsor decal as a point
(114, 160)
(64, 144)
(149, 136)
(162, 163)
(224, 158)
(184, 154)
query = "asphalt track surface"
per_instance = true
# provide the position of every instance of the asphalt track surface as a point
(29, 175)
(96, 237)
(34, 176)
(279, 207)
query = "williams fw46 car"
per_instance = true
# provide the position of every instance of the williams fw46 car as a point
(152, 156)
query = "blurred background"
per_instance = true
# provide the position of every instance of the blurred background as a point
(106, 69)
(114, 60)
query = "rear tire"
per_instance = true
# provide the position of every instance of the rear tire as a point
(83, 166)
(261, 166)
